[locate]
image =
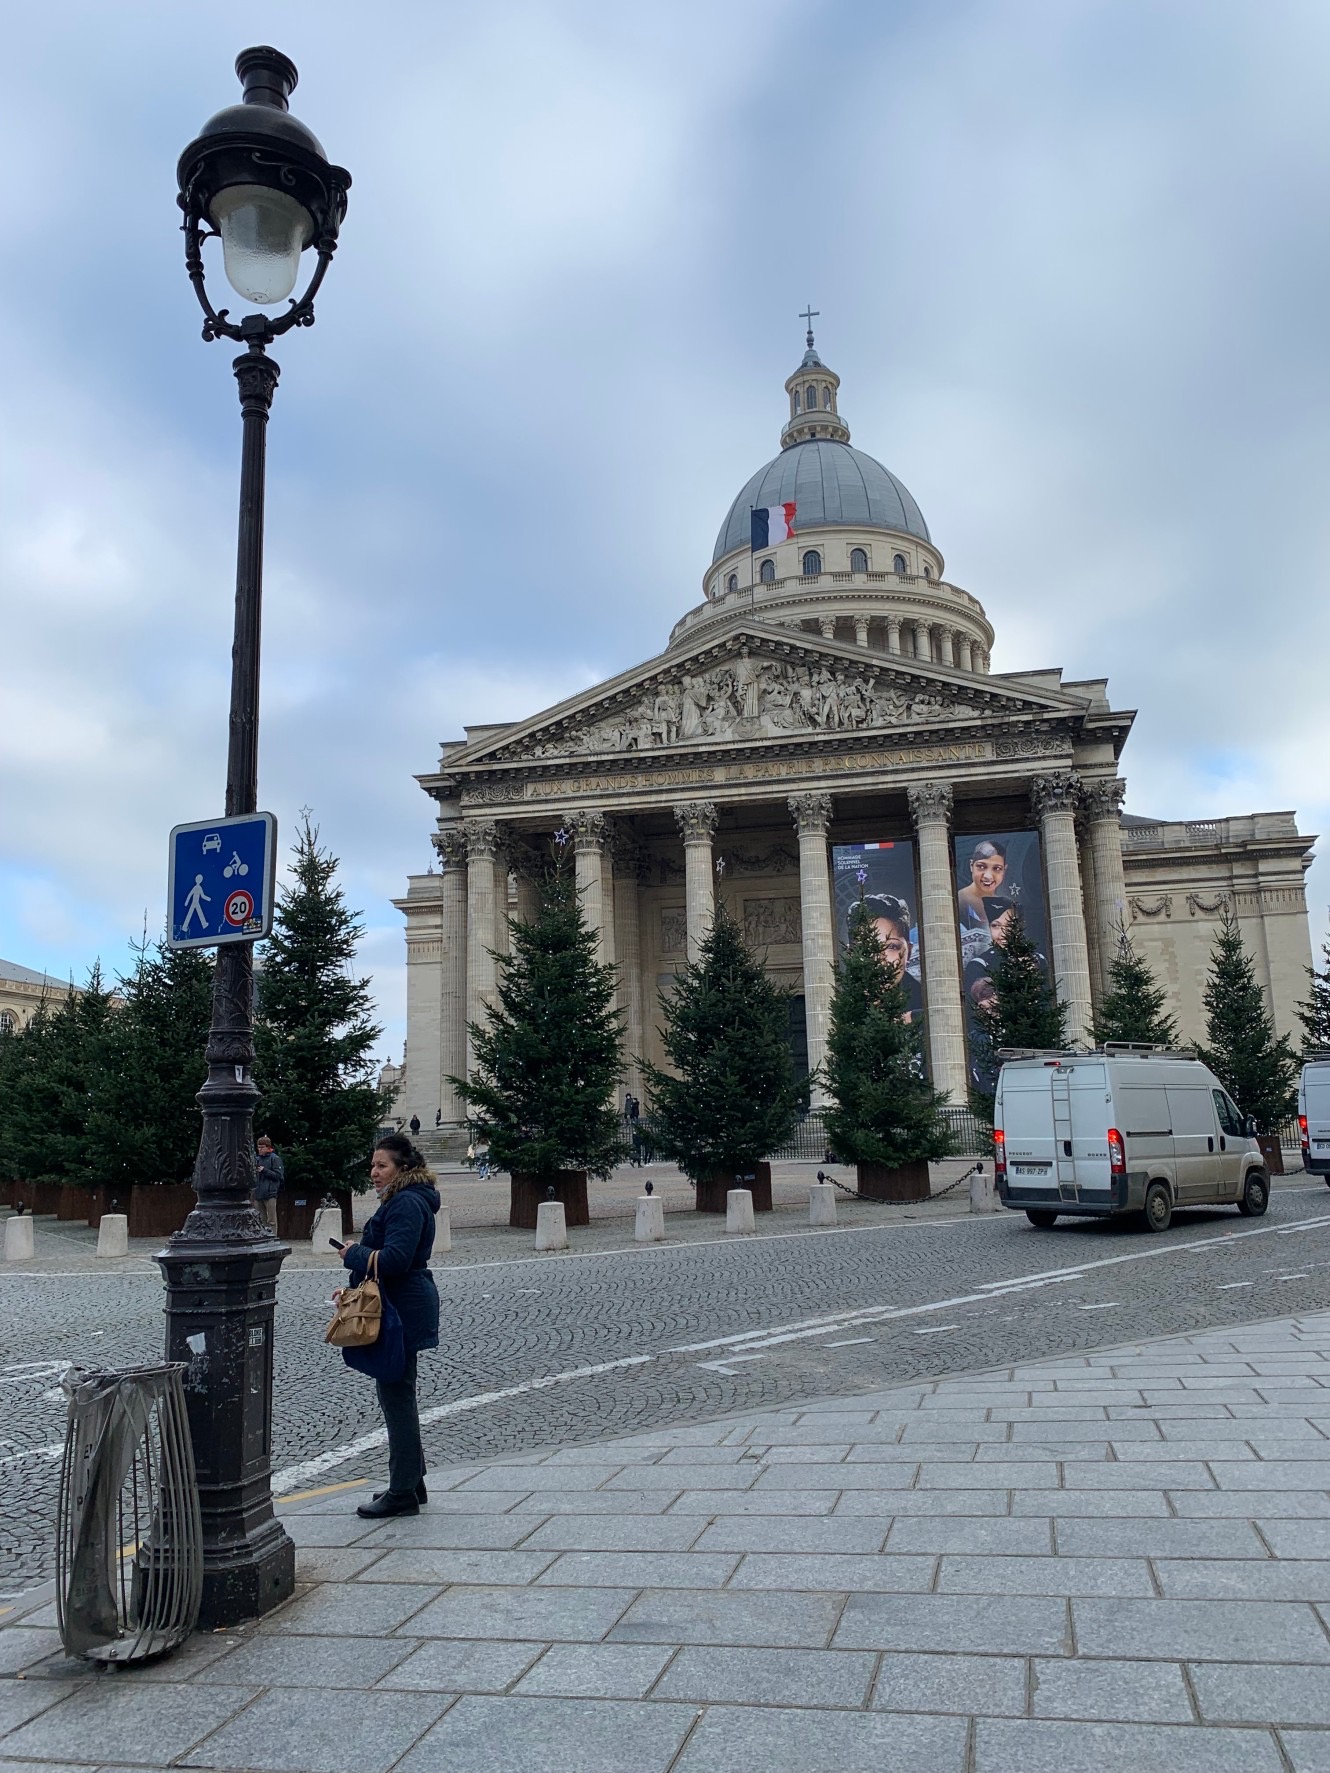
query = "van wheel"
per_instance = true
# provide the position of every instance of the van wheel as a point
(1255, 1194)
(1041, 1217)
(1158, 1207)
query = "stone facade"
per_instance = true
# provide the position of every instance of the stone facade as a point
(832, 690)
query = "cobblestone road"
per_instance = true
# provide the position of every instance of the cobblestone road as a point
(681, 1333)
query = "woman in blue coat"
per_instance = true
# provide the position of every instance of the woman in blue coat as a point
(402, 1231)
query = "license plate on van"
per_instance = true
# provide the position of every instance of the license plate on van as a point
(1321, 1144)
(1030, 1169)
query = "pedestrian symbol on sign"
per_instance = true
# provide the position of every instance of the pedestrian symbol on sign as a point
(193, 904)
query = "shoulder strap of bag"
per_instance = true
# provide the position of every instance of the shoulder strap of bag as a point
(372, 1269)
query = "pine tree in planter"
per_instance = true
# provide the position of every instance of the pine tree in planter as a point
(735, 1096)
(1314, 1010)
(1022, 1010)
(885, 1116)
(1256, 1066)
(1134, 1006)
(315, 1037)
(547, 1057)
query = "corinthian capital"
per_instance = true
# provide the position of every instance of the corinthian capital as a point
(451, 846)
(930, 802)
(482, 839)
(1103, 799)
(588, 829)
(811, 813)
(1057, 792)
(696, 820)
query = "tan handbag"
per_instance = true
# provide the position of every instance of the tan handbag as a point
(358, 1314)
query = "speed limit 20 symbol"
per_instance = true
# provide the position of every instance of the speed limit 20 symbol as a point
(239, 907)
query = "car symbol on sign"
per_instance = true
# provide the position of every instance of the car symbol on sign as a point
(213, 841)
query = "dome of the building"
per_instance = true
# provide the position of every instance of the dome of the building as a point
(830, 483)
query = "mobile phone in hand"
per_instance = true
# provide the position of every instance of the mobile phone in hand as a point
(334, 1244)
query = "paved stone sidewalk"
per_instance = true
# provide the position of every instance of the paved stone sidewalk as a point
(1116, 1561)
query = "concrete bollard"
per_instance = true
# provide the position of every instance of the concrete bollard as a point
(443, 1231)
(822, 1204)
(649, 1225)
(739, 1212)
(113, 1235)
(18, 1238)
(983, 1196)
(327, 1223)
(551, 1226)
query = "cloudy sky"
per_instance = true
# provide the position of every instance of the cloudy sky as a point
(1071, 264)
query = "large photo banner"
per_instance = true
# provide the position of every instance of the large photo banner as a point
(999, 876)
(889, 899)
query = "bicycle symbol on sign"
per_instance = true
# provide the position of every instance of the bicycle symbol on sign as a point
(235, 866)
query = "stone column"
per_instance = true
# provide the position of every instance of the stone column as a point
(812, 815)
(1103, 814)
(528, 893)
(451, 845)
(589, 835)
(963, 652)
(944, 1020)
(828, 626)
(627, 863)
(945, 655)
(696, 820)
(1054, 798)
(922, 648)
(1089, 900)
(893, 634)
(861, 630)
(483, 873)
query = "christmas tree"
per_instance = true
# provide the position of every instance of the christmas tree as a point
(28, 1100)
(1256, 1066)
(54, 1075)
(883, 1108)
(1134, 1006)
(735, 1096)
(314, 1033)
(1314, 1010)
(1022, 1010)
(145, 1123)
(547, 1056)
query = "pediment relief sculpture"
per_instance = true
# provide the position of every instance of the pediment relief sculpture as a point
(745, 697)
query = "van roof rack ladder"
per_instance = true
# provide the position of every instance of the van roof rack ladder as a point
(1125, 1049)
(1043, 1052)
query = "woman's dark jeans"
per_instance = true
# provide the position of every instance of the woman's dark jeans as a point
(406, 1456)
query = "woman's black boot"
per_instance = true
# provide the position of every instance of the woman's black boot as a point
(388, 1504)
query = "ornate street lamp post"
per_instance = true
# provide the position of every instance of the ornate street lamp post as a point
(258, 179)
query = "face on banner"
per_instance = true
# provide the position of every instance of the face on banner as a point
(889, 899)
(999, 876)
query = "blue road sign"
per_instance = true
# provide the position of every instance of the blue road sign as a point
(222, 876)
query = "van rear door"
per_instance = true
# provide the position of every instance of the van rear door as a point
(1315, 1106)
(1025, 1114)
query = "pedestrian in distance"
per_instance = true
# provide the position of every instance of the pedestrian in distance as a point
(471, 1154)
(402, 1230)
(269, 1174)
(483, 1162)
(414, 1124)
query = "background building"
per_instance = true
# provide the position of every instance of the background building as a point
(824, 720)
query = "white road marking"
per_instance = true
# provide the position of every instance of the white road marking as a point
(293, 1477)
(1232, 1286)
(851, 1342)
(728, 1364)
(53, 1450)
(937, 1329)
(1290, 1277)
(1107, 1305)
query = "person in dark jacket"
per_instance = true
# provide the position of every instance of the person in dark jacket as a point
(402, 1231)
(269, 1175)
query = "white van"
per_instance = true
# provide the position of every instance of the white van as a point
(1123, 1130)
(1314, 1116)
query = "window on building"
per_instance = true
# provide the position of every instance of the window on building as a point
(732, 583)
(796, 400)
(898, 565)
(858, 560)
(826, 398)
(8, 1022)
(810, 398)
(812, 564)
(768, 572)
(928, 572)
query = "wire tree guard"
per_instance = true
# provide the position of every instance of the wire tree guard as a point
(129, 1554)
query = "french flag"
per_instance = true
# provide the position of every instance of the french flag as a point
(772, 524)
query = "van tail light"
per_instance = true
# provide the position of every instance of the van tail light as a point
(1302, 1133)
(1117, 1153)
(999, 1154)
